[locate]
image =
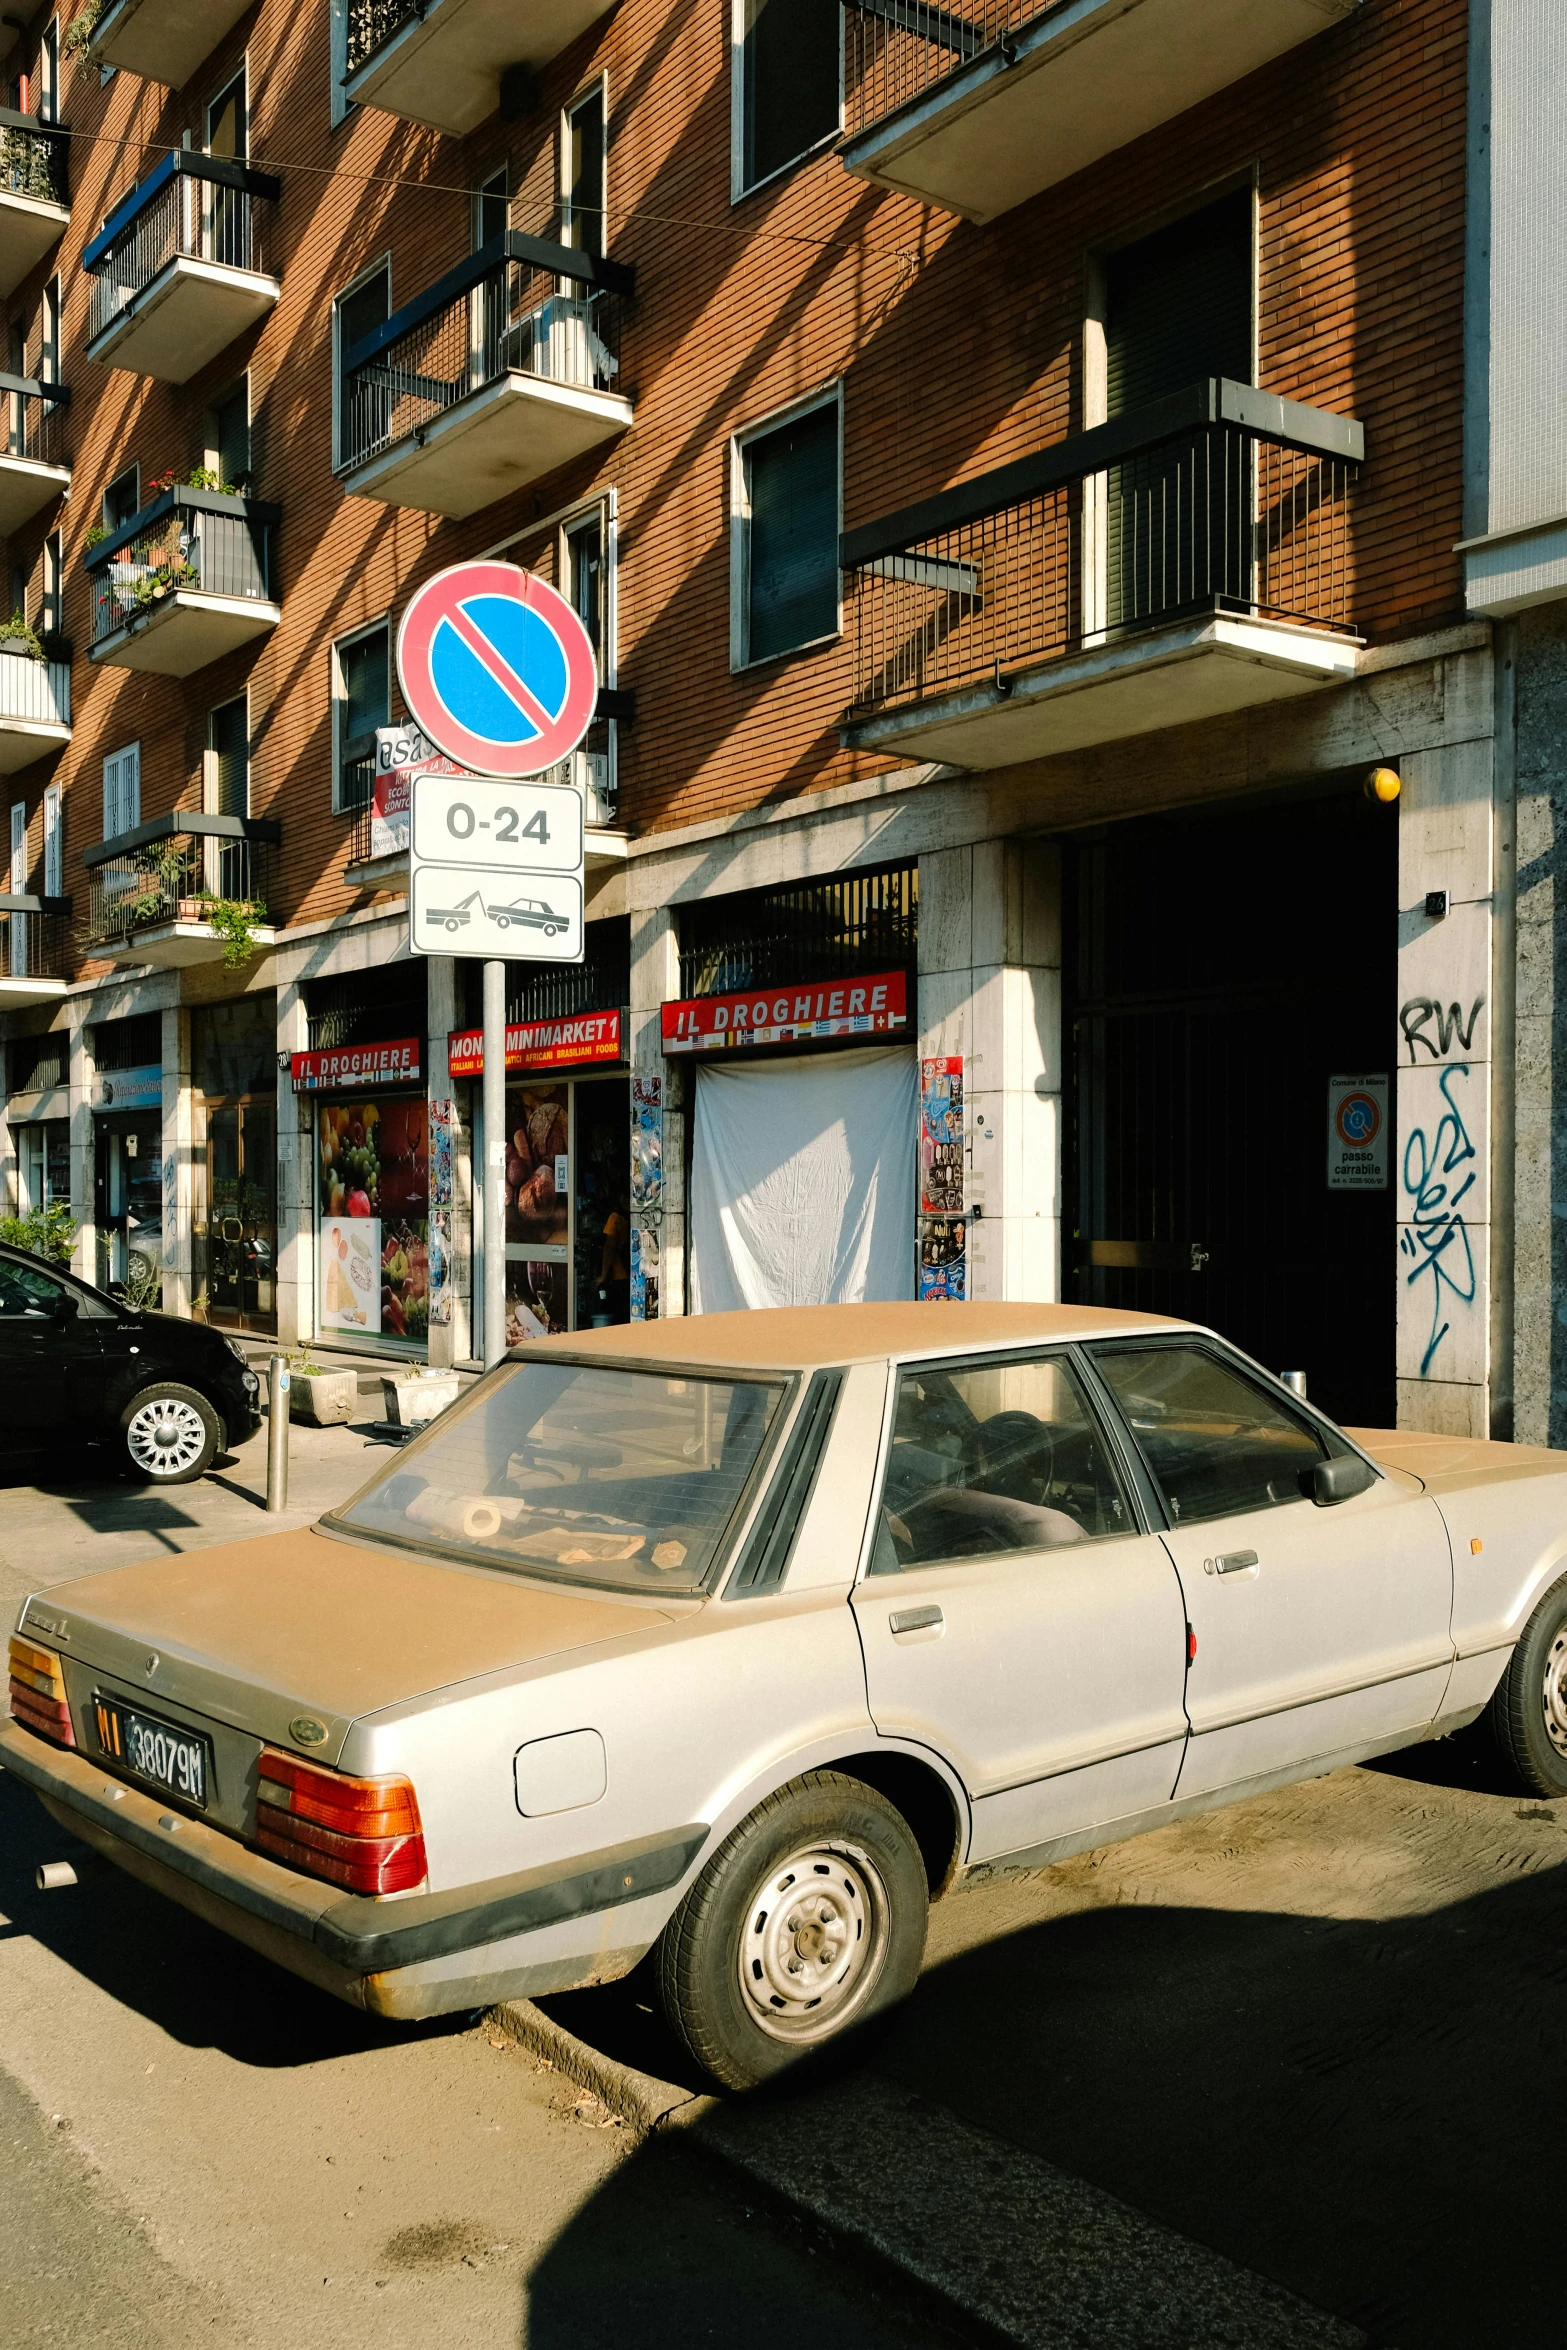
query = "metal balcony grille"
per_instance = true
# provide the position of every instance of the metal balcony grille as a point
(33, 415)
(34, 940)
(895, 51)
(559, 991)
(781, 937)
(372, 23)
(187, 541)
(366, 1010)
(521, 306)
(33, 158)
(34, 693)
(1213, 517)
(201, 206)
(142, 883)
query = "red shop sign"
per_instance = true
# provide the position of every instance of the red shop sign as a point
(357, 1065)
(788, 1015)
(541, 1044)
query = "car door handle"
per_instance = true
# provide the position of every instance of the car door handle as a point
(1230, 1562)
(917, 1619)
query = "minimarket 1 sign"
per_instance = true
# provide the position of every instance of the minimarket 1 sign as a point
(874, 1006)
(541, 1044)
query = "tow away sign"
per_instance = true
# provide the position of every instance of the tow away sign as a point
(496, 869)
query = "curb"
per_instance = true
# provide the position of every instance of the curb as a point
(642, 2102)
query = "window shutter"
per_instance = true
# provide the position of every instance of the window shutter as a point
(1178, 306)
(54, 842)
(18, 846)
(792, 492)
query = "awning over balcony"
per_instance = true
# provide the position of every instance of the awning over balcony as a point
(440, 61)
(35, 709)
(163, 40)
(34, 203)
(978, 105)
(488, 381)
(1183, 562)
(178, 267)
(184, 582)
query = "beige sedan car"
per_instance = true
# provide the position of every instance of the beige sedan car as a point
(739, 1639)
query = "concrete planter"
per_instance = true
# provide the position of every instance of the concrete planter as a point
(413, 1400)
(324, 1399)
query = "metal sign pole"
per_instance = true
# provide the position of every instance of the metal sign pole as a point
(494, 1161)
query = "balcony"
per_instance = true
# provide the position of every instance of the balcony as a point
(162, 40)
(178, 268)
(186, 580)
(440, 61)
(35, 706)
(1183, 562)
(33, 471)
(34, 205)
(488, 381)
(378, 845)
(35, 952)
(976, 106)
(178, 890)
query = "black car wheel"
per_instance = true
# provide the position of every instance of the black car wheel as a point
(1528, 1714)
(169, 1434)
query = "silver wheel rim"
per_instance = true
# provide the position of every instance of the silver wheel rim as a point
(166, 1436)
(814, 1941)
(1556, 1693)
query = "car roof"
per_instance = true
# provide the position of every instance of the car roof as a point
(779, 1338)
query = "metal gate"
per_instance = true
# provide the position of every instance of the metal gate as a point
(1221, 969)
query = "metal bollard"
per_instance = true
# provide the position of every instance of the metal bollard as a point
(277, 1436)
(1295, 1381)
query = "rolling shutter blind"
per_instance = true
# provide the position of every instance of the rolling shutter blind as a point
(1178, 306)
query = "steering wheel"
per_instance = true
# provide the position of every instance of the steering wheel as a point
(994, 1452)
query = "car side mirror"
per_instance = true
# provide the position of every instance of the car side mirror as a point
(1339, 1479)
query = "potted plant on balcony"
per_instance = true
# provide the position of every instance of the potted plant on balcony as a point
(236, 921)
(18, 640)
(82, 27)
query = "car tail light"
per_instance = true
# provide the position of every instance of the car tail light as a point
(38, 1699)
(360, 1833)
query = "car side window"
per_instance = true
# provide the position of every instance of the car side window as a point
(992, 1457)
(29, 1294)
(1216, 1443)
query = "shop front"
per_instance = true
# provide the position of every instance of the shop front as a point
(567, 1170)
(234, 1206)
(371, 1140)
(128, 1200)
(38, 1115)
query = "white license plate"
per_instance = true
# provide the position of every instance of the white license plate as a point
(179, 1761)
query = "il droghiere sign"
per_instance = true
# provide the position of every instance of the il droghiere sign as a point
(788, 1015)
(541, 1044)
(357, 1064)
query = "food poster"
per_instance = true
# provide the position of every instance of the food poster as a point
(943, 1267)
(538, 1166)
(941, 1137)
(373, 1172)
(537, 1292)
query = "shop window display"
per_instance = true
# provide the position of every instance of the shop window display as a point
(373, 1189)
(567, 1197)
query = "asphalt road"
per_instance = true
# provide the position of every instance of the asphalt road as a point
(1319, 2033)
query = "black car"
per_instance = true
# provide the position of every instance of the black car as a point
(78, 1365)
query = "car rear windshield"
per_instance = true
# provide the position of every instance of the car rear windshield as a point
(618, 1478)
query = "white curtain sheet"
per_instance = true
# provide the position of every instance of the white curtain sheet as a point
(802, 1182)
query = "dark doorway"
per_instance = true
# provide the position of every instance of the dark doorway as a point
(1221, 968)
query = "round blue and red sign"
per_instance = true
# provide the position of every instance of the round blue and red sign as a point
(497, 669)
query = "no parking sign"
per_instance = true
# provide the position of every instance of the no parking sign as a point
(1357, 1133)
(497, 668)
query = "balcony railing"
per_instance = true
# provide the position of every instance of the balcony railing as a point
(895, 51)
(196, 542)
(372, 23)
(33, 158)
(34, 418)
(201, 206)
(179, 868)
(34, 936)
(1221, 498)
(33, 692)
(502, 312)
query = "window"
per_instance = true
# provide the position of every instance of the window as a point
(355, 314)
(584, 192)
(585, 578)
(18, 591)
(228, 435)
(490, 209)
(122, 791)
(1217, 1444)
(993, 1456)
(122, 498)
(49, 74)
(228, 743)
(788, 515)
(789, 83)
(29, 1294)
(54, 841)
(49, 334)
(18, 881)
(226, 123)
(52, 613)
(361, 692)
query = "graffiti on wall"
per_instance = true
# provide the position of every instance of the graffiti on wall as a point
(1439, 1172)
(1417, 1017)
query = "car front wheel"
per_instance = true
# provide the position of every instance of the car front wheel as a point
(169, 1434)
(808, 1921)
(1529, 1711)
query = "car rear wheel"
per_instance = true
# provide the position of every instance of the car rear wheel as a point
(1529, 1711)
(169, 1434)
(808, 1921)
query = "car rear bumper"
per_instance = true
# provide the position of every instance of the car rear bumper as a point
(409, 1955)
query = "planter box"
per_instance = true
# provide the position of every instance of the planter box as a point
(412, 1401)
(324, 1399)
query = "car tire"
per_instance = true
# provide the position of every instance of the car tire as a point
(1528, 1714)
(807, 1922)
(169, 1434)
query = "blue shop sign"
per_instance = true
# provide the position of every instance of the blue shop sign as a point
(131, 1089)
